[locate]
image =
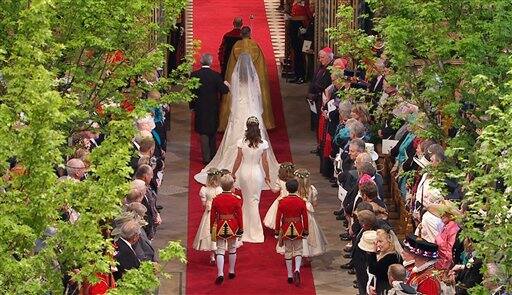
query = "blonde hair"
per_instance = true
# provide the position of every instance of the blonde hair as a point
(286, 170)
(213, 177)
(362, 113)
(302, 176)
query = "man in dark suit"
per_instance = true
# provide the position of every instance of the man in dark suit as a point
(129, 235)
(206, 105)
(321, 80)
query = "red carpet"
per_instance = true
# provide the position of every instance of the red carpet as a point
(260, 270)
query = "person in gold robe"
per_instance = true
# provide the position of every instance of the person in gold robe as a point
(249, 46)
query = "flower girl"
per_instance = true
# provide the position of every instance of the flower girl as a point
(203, 241)
(316, 242)
(285, 173)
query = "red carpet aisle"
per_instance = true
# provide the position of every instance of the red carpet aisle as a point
(260, 270)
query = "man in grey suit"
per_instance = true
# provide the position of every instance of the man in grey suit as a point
(206, 105)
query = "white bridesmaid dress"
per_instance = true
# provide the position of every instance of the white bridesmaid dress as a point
(203, 239)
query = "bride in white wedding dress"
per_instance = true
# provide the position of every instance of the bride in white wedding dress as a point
(245, 103)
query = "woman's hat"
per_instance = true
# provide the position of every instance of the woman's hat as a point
(370, 149)
(420, 247)
(367, 242)
(446, 207)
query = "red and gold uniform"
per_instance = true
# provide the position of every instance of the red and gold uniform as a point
(292, 224)
(425, 281)
(226, 220)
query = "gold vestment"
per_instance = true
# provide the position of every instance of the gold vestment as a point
(253, 49)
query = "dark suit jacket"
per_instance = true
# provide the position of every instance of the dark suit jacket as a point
(321, 80)
(206, 103)
(125, 258)
(149, 201)
(143, 248)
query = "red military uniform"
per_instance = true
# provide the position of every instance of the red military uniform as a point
(425, 282)
(226, 216)
(292, 217)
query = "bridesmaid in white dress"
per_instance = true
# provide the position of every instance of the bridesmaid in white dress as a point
(316, 242)
(252, 160)
(285, 173)
(203, 240)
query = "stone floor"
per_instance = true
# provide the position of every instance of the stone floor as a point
(328, 277)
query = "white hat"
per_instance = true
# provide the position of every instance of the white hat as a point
(370, 149)
(367, 241)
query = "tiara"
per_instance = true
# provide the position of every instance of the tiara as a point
(301, 175)
(252, 120)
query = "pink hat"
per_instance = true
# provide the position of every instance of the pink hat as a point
(327, 50)
(364, 179)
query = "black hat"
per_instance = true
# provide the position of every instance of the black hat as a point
(420, 247)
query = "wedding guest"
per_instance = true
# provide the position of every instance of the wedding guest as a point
(396, 278)
(425, 255)
(125, 257)
(321, 80)
(387, 252)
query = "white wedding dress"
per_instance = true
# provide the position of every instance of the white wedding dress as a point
(246, 102)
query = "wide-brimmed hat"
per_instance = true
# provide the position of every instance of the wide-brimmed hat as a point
(422, 162)
(367, 242)
(420, 247)
(370, 149)
(446, 207)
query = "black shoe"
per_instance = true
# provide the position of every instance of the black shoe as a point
(355, 286)
(354, 282)
(294, 80)
(345, 237)
(296, 278)
(338, 212)
(351, 271)
(348, 250)
(315, 151)
(290, 280)
(347, 255)
(332, 180)
(340, 217)
(299, 81)
(334, 185)
(219, 280)
(231, 276)
(347, 266)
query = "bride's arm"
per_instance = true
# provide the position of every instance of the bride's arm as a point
(264, 161)
(238, 160)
